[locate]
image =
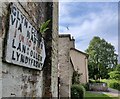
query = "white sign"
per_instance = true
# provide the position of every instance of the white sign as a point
(25, 46)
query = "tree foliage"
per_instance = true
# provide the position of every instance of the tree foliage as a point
(117, 68)
(102, 58)
(116, 73)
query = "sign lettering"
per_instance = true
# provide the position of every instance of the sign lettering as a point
(25, 46)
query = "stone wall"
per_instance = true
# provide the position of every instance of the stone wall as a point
(51, 62)
(79, 60)
(18, 81)
(65, 66)
(98, 86)
(54, 74)
(0, 50)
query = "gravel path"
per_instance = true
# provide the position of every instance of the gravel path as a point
(113, 92)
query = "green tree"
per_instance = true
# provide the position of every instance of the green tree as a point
(117, 68)
(102, 58)
(116, 73)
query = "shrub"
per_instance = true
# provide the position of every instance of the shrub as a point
(112, 83)
(86, 86)
(95, 81)
(91, 81)
(115, 75)
(77, 91)
(115, 85)
(76, 77)
(98, 81)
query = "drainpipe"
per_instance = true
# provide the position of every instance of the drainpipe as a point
(86, 68)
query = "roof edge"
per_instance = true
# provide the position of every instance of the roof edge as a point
(66, 35)
(80, 52)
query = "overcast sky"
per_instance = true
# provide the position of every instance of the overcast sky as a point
(84, 20)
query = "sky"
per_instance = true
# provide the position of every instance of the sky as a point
(84, 20)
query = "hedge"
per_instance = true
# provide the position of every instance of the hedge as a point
(115, 85)
(77, 91)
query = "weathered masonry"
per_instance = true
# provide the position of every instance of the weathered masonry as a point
(80, 62)
(65, 64)
(28, 58)
(70, 60)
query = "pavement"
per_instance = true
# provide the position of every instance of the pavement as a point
(111, 92)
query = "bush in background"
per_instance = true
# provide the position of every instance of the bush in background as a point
(95, 81)
(115, 85)
(86, 86)
(77, 91)
(76, 77)
(115, 75)
(112, 83)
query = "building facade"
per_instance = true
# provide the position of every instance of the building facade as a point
(80, 62)
(20, 81)
(65, 66)
(70, 60)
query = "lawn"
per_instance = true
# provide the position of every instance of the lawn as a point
(90, 95)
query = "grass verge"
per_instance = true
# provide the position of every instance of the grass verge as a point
(91, 95)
